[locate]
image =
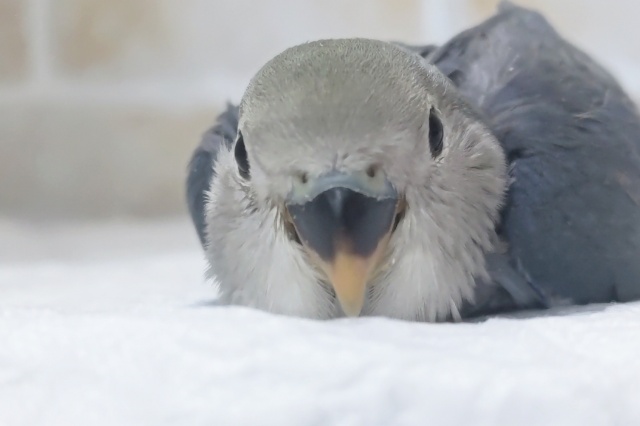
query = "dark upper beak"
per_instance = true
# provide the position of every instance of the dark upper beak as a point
(346, 231)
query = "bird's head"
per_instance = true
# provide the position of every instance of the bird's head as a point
(364, 169)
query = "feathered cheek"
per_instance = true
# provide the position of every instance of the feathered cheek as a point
(401, 178)
(416, 169)
(268, 189)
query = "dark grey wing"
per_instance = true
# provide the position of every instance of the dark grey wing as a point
(572, 136)
(202, 165)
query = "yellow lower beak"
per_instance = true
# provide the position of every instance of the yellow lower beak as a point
(349, 275)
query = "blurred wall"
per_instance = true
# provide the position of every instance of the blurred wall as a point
(102, 101)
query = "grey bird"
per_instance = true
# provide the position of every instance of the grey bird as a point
(498, 172)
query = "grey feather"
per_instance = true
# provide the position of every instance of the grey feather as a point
(202, 163)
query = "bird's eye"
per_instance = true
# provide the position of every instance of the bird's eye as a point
(436, 134)
(303, 178)
(241, 157)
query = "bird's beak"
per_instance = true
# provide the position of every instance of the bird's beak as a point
(344, 221)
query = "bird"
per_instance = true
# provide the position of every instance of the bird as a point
(497, 172)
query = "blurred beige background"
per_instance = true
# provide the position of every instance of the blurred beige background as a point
(102, 101)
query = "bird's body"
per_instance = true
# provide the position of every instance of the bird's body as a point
(376, 125)
(572, 137)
